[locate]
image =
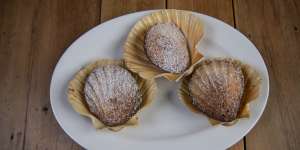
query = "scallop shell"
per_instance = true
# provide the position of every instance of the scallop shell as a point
(134, 52)
(167, 48)
(112, 94)
(251, 88)
(76, 95)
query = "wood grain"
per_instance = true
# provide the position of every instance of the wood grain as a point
(222, 10)
(115, 8)
(273, 26)
(15, 72)
(54, 26)
(35, 33)
(239, 145)
(52, 35)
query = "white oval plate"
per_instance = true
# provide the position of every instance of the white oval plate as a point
(166, 123)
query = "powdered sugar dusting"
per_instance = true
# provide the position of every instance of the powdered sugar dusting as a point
(112, 94)
(217, 87)
(167, 48)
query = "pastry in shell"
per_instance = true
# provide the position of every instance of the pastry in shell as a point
(163, 44)
(112, 94)
(109, 94)
(166, 47)
(221, 89)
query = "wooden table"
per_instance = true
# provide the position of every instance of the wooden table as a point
(35, 33)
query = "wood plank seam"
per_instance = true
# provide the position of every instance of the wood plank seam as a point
(234, 24)
(30, 76)
(233, 13)
(100, 8)
(36, 104)
(28, 95)
(244, 139)
(166, 4)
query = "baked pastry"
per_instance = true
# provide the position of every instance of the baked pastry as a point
(109, 94)
(112, 94)
(163, 44)
(216, 87)
(166, 47)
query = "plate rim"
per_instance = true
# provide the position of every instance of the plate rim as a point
(147, 12)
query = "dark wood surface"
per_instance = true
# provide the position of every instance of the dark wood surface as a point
(35, 33)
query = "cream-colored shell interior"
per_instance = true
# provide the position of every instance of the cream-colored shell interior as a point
(134, 52)
(77, 99)
(251, 92)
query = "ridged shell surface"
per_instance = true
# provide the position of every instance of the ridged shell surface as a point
(167, 48)
(135, 54)
(112, 94)
(216, 87)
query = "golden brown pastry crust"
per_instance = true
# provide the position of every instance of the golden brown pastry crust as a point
(166, 47)
(112, 94)
(216, 87)
(76, 98)
(134, 48)
(252, 84)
